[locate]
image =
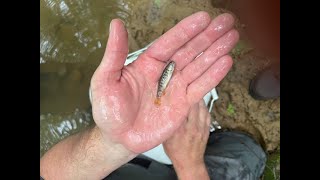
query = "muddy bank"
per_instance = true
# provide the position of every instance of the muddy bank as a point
(151, 19)
(236, 109)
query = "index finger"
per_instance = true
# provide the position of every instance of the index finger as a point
(164, 47)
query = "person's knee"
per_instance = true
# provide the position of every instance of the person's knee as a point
(235, 155)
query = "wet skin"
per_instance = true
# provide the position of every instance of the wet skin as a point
(123, 96)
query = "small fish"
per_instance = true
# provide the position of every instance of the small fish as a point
(164, 80)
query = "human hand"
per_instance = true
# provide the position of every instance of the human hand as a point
(187, 145)
(123, 96)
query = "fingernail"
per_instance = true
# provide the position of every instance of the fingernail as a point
(110, 27)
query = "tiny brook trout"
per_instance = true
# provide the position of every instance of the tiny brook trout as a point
(164, 81)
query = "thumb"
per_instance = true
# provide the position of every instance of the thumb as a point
(116, 51)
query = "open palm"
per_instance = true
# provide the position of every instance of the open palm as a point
(123, 96)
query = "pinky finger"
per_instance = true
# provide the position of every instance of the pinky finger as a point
(208, 80)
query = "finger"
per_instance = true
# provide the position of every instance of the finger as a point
(203, 113)
(181, 129)
(193, 117)
(208, 122)
(219, 48)
(172, 40)
(116, 51)
(210, 79)
(205, 117)
(219, 26)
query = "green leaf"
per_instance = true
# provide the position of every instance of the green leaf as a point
(230, 110)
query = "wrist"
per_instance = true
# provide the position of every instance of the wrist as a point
(103, 155)
(84, 155)
(195, 170)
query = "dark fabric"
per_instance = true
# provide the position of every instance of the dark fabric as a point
(229, 156)
(155, 170)
(234, 156)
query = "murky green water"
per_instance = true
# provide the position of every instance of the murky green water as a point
(73, 35)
